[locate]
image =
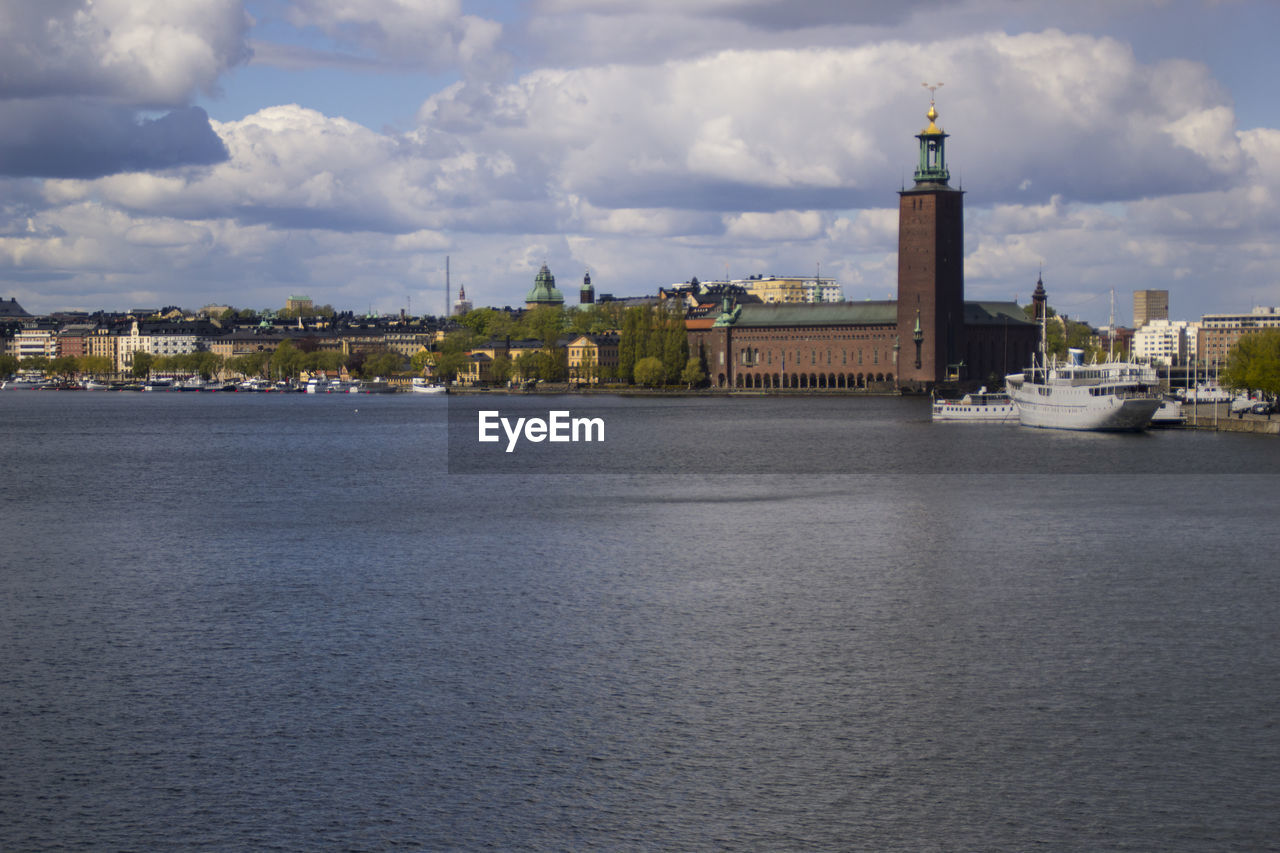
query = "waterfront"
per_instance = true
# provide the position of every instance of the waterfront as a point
(258, 622)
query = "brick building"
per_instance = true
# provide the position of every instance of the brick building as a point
(927, 336)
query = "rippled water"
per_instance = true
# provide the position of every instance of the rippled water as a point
(255, 622)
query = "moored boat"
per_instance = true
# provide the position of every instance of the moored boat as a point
(982, 406)
(1113, 395)
(422, 386)
(1169, 414)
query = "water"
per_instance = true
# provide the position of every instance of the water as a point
(256, 622)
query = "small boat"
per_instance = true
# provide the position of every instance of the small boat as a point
(1169, 414)
(372, 386)
(1206, 394)
(422, 386)
(95, 385)
(25, 383)
(982, 406)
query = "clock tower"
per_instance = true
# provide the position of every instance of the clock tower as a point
(930, 268)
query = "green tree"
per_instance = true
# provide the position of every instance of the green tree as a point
(650, 372)
(142, 363)
(1254, 363)
(421, 359)
(63, 365)
(449, 363)
(693, 373)
(207, 364)
(95, 365)
(629, 342)
(502, 369)
(675, 346)
(287, 361)
(383, 363)
(249, 364)
(35, 363)
(8, 365)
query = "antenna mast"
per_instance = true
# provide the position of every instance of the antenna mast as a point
(448, 310)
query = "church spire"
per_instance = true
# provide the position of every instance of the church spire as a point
(933, 160)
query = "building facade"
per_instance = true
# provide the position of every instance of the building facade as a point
(927, 336)
(1149, 305)
(1161, 342)
(1220, 332)
(592, 358)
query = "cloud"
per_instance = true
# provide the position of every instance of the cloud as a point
(1031, 117)
(417, 33)
(81, 83)
(73, 138)
(149, 53)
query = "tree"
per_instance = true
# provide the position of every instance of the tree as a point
(287, 361)
(63, 365)
(629, 343)
(502, 369)
(649, 371)
(35, 364)
(8, 365)
(675, 348)
(383, 363)
(448, 364)
(1254, 363)
(95, 365)
(142, 364)
(693, 373)
(420, 361)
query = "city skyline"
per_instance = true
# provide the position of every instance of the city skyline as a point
(245, 151)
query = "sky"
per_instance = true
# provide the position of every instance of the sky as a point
(242, 151)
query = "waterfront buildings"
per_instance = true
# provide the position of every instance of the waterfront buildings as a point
(927, 336)
(1220, 332)
(592, 358)
(1162, 342)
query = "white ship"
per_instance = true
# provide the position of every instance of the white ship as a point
(1113, 395)
(984, 406)
(422, 386)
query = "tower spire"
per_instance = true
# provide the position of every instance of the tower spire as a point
(933, 160)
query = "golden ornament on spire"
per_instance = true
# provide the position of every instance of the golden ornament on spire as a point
(932, 115)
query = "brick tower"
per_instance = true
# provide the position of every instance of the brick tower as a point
(930, 269)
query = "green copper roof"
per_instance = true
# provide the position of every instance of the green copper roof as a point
(995, 313)
(544, 289)
(818, 314)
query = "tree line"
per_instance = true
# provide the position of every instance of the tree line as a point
(653, 344)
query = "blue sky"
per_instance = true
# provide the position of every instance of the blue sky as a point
(219, 151)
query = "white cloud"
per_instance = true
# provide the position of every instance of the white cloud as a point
(138, 52)
(430, 33)
(781, 226)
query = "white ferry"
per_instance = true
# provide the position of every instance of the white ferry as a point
(422, 386)
(1114, 395)
(983, 406)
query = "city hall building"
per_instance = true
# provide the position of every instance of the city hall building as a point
(927, 336)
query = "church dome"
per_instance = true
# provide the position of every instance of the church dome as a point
(544, 290)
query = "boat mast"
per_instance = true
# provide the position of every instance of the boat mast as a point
(1111, 329)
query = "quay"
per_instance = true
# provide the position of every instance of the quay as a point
(1218, 417)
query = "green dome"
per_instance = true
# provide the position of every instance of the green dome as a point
(544, 290)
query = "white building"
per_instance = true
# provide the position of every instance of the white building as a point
(1161, 342)
(35, 342)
